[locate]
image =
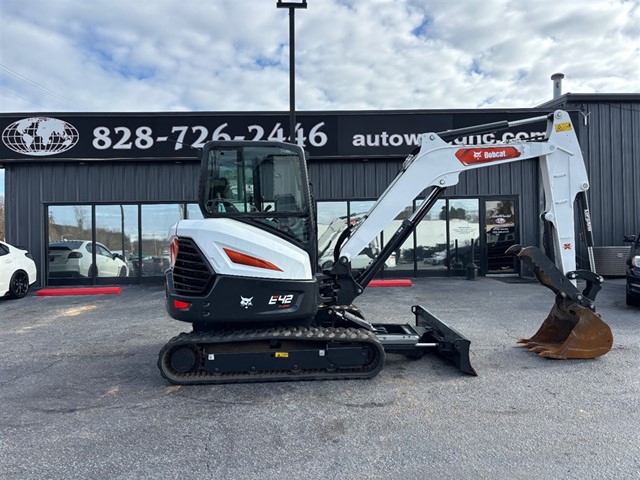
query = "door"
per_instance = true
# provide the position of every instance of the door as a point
(501, 232)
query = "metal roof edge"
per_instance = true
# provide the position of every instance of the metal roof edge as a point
(591, 97)
(280, 113)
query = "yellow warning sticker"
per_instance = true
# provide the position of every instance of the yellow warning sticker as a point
(282, 354)
(563, 127)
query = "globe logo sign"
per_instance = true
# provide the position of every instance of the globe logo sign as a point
(40, 136)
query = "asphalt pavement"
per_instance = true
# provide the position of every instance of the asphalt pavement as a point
(82, 397)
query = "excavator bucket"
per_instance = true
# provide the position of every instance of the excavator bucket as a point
(573, 329)
(570, 332)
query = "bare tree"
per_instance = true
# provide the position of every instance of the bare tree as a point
(79, 213)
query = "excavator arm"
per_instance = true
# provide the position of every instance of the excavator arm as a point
(573, 329)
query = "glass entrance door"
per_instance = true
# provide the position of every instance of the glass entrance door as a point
(501, 231)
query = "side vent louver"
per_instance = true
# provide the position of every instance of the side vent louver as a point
(191, 275)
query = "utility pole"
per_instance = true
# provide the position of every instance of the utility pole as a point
(292, 65)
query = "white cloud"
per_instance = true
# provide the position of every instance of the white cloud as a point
(156, 55)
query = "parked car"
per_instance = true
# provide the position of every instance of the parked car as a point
(126, 258)
(73, 258)
(633, 270)
(150, 265)
(17, 271)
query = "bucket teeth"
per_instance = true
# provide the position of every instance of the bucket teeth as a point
(538, 349)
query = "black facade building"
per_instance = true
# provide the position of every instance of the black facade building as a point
(99, 186)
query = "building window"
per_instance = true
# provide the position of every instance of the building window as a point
(431, 239)
(357, 211)
(154, 244)
(117, 231)
(463, 223)
(332, 220)
(401, 261)
(193, 211)
(70, 254)
(110, 243)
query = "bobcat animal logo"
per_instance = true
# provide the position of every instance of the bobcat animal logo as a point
(246, 302)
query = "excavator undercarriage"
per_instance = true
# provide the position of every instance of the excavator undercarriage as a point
(307, 353)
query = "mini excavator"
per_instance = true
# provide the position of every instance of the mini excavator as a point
(246, 276)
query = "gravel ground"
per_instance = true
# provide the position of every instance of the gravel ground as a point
(82, 397)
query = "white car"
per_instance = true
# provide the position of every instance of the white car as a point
(73, 258)
(17, 271)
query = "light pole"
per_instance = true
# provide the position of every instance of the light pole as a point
(292, 73)
(124, 257)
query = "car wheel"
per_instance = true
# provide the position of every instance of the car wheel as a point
(19, 284)
(123, 271)
(633, 300)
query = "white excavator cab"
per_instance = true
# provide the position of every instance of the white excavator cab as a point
(260, 182)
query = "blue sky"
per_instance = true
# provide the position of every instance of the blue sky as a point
(231, 55)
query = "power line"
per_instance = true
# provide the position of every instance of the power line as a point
(11, 92)
(37, 85)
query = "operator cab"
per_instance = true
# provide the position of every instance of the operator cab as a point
(261, 183)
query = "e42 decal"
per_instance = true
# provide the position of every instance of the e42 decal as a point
(281, 300)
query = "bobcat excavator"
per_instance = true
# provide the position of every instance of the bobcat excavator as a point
(246, 275)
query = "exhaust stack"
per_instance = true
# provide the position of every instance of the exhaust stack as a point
(557, 84)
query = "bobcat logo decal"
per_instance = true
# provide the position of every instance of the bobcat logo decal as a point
(246, 302)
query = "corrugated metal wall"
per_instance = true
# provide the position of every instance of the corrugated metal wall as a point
(611, 144)
(31, 186)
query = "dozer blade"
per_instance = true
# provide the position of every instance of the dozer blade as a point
(573, 329)
(452, 345)
(428, 334)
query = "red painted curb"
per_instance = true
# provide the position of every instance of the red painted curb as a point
(55, 292)
(390, 283)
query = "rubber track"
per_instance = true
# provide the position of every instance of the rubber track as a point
(201, 340)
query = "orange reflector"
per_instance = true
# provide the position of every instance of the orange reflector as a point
(179, 304)
(173, 252)
(390, 283)
(244, 259)
(49, 292)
